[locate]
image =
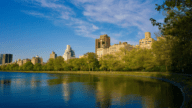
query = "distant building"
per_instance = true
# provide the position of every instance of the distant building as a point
(69, 53)
(5, 58)
(113, 49)
(26, 60)
(37, 59)
(102, 42)
(81, 56)
(147, 41)
(20, 62)
(53, 55)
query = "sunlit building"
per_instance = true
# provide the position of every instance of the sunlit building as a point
(26, 60)
(147, 41)
(53, 55)
(102, 42)
(69, 53)
(37, 59)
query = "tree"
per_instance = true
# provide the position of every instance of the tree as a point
(178, 24)
(103, 63)
(37, 67)
(91, 60)
(44, 67)
(50, 64)
(109, 61)
(28, 66)
(8, 67)
(58, 63)
(14, 66)
(83, 64)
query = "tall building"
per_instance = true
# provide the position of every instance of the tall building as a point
(6, 58)
(69, 53)
(53, 55)
(37, 59)
(147, 41)
(102, 42)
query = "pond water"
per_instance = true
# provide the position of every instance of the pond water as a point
(39, 90)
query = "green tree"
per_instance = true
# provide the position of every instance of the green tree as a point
(108, 61)
(178, 24)
(14, 66)
(58, 63)
(37, 67)
(50, 64)
(8, 67)
(103, 63)
(83, 64)
(28, 66)
(92, 60)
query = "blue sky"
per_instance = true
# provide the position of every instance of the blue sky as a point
(38, 27)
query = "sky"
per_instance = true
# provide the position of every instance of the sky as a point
(38, 27)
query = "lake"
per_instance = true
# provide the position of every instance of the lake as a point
(39, 90)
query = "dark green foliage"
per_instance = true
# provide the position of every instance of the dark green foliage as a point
(37, 67)
(50, 64)
(178, 24)
(28, 66)
(58, 63)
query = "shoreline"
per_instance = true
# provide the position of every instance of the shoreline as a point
(182, 81)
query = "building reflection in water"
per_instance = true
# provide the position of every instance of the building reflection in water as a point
(66, 89)
(100, 91)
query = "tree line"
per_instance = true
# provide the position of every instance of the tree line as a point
(124, 60)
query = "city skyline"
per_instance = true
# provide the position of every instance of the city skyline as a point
(38, 27)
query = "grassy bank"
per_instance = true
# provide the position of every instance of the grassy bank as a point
(183, 81)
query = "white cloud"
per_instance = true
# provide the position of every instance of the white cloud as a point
(123, 13)
(60, 13)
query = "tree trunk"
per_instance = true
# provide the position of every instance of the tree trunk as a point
(92, 68)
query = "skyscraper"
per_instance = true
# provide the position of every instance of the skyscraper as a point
(69, 53)
(6, 58)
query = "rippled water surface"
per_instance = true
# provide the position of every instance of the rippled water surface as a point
(39, 90)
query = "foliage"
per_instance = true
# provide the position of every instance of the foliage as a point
(178, 24)
(58, 63)
(91, 60)
(50, 64)
(28, 66)
(37, 67)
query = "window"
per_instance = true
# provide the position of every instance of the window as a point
(149, 41)
(98, 44)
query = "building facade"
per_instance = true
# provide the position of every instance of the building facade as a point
(5, 58)
(25, 60)
(37, 59)
(147, 41)
(113, 49)
(103, 47)
(69, 53)
(53, 55)
(19, 62)
(102, 42)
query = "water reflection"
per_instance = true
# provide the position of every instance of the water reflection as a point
(73, 90)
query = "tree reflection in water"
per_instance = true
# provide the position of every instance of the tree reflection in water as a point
(78, 90)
